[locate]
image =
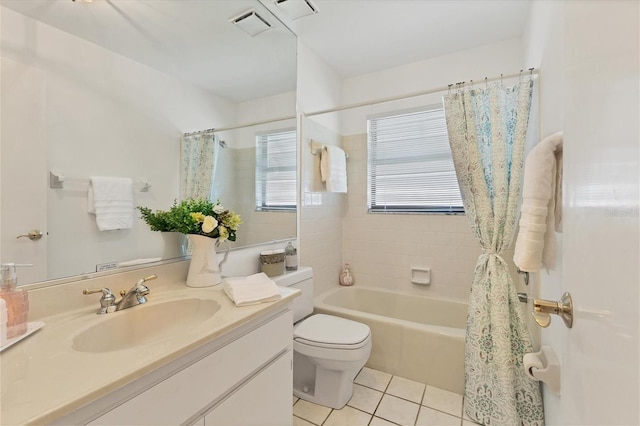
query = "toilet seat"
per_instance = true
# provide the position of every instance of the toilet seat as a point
(327, 331)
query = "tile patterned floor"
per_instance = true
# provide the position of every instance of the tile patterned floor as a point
(380, 399)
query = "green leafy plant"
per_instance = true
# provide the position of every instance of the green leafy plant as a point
(194, 216)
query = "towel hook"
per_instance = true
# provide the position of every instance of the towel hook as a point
(525, 276)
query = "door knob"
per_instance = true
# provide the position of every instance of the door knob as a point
(33, 235)
(563, 307)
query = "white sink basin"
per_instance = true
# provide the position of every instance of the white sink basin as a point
(145, 323)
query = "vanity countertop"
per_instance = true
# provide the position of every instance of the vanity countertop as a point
(44, 378)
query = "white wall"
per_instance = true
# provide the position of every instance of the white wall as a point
(319, 87)
(109, 116)
(382, 248)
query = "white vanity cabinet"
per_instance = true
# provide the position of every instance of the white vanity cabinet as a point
(260, 401)
(244, 380)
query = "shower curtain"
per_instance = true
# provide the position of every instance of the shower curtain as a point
(199, 155)
(487, 129)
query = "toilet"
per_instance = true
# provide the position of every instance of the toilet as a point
(328, 351)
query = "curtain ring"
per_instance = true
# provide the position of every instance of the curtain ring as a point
(486, 83)
(520, 75)
(500, 78)
(450, 88)
(531, 72)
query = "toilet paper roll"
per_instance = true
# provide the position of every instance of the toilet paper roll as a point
(532, 361)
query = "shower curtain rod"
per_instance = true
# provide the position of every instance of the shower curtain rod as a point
(239, 126)
(530, 71)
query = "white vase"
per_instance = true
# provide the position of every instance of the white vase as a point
(204, 269)
(175, 245)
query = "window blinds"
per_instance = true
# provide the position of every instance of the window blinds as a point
(276, 170)
(410, 168)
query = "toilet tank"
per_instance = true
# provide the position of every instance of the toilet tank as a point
(302, 279)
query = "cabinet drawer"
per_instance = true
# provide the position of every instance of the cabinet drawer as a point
(257, 402)
(182, 395)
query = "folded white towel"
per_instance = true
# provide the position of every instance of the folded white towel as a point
(111, 200)
(541, 211)
(251, 290)
(333, 168)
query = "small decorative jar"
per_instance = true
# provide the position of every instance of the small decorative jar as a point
(346, 278)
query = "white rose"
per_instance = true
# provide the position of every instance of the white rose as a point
(209, 224)
(218, 208)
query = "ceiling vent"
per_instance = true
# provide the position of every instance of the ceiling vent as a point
(251, 23)
(295, 9)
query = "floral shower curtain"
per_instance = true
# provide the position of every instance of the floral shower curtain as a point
(199, 154)
(487, 130)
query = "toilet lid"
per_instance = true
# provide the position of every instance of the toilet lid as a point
(331, 330)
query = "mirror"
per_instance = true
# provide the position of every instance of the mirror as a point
(256, 176)
(108, 88)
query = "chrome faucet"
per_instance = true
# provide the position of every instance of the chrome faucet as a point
(135, 296)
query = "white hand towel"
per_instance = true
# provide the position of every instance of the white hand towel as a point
(251, 290)
(333, 168)
(541, 211)
(111, 200)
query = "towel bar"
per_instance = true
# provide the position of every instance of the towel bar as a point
(57, 180)
(317, 148)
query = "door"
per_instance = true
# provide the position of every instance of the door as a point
(23, 168)
(600, 379)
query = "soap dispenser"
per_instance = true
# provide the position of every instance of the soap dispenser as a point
(346, 278)
(291, 257)
(16, 300)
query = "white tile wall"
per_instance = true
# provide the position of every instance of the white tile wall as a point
(382, 248)
(321, 224)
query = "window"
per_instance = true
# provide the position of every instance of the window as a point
(410, 168)
(276, 170)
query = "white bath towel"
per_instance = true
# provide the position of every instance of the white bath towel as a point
(251, 290)
(111, 200)
(541, 213)
(333, 168)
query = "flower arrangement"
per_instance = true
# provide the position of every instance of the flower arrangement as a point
(194, 216)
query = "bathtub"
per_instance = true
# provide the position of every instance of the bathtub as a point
(415, 337)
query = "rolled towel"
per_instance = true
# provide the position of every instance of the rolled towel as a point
(541, 211)
(251, 290)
